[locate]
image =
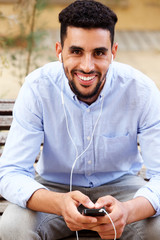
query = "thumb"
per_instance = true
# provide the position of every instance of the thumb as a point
(104, 201)
(83, 199)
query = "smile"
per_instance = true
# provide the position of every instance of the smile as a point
(87, 79)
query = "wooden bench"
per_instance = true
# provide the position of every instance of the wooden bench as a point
(6, 107)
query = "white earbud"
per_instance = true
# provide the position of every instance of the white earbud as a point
(60, 57)
(112, 59)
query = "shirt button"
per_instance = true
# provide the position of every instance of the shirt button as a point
(88, 138)
(91, 184)
(88, 110)
(89, 162)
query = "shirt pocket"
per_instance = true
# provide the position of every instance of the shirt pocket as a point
(115, 153)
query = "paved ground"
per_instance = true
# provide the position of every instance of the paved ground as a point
(138, 49)
(138, 40)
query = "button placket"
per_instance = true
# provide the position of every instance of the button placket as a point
(88, 129)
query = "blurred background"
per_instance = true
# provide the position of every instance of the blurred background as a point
(29, 30)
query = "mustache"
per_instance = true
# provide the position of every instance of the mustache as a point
(85, 73)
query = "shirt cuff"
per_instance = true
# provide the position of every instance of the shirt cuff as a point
(151, 197)
(24, 187)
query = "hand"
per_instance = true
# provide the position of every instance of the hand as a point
(73, 218)
(118, 214)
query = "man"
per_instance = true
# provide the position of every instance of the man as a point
(88, 110)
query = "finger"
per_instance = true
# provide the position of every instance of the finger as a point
(103, 220)
(106, 236)
(104, 201)
(110, 205)
(106, 231)
(103, 228)
(82, 199)
(81, 223)
(74, 216)
(86, 219)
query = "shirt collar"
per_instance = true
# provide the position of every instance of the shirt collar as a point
(108, 82)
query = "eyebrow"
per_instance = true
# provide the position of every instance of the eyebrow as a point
(103, 49)
(72, 48)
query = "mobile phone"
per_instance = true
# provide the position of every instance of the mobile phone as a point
(94, 212)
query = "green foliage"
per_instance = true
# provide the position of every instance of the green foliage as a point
(3, 64)
(41, 4)
(27, 43)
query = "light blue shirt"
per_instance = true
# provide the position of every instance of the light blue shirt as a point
(130, 104)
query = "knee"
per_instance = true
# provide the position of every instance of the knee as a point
(7, 225)
(15, 223)
(152, 229)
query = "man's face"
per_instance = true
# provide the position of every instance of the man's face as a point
(86, 56)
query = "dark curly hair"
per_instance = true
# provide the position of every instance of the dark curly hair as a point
(87, 14)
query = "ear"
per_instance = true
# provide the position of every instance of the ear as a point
(58, 49)
(114, 49)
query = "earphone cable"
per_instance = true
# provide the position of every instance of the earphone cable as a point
(74, 144)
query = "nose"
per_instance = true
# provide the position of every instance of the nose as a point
(87, 63)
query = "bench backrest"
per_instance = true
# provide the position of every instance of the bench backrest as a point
(6, 107)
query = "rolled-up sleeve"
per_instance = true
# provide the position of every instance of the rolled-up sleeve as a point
(149, 138)
(17, 182)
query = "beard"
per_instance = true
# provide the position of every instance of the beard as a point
(79, 93)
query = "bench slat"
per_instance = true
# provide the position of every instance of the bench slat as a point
(3, 101)
(1, 151)
(3, 204)
(3, 137)
(5, 122)
(6, 107)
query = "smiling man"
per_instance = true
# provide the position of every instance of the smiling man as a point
(87, 54)
(89, 111)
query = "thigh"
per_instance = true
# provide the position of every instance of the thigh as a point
(21, 224)
(16, 223)
(146, 229)
(123, 189)
(151, 228)
(134, 231)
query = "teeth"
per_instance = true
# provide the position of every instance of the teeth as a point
(86, 78)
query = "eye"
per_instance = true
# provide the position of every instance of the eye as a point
(99, 53)
(76, 52)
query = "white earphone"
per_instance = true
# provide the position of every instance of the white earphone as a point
(60, 57)
(112, 59)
